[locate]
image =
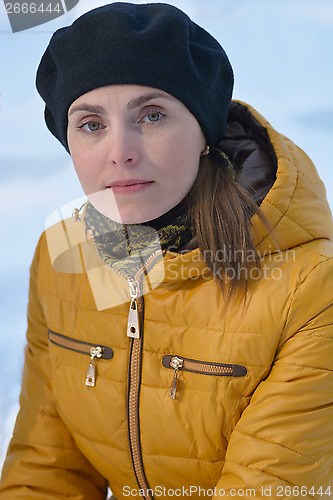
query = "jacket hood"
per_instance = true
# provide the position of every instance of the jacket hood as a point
(282, 179)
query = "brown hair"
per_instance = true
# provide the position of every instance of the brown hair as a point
(221, 212)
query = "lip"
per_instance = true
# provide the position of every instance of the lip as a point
(129, 185)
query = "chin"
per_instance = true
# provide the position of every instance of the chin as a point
(136, 213)
(133, 218)
(106, 204)
(136, 216)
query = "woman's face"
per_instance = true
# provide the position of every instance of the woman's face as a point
(136, 150)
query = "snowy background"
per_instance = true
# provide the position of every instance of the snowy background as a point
(281, 52)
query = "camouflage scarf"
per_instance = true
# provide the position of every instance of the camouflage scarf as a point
(126, 247)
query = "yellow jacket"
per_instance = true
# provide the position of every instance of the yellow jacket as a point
(252, 407)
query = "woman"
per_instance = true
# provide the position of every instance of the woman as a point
(180, 337)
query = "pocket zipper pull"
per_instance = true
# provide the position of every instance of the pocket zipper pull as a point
(133, 329)
(95, 352)
(176, 363)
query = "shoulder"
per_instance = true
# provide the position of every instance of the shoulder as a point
(310, 309)
(59, 246)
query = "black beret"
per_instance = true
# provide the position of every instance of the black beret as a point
(155, 45)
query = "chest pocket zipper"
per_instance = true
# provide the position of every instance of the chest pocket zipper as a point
(178, 363)
(95, 351)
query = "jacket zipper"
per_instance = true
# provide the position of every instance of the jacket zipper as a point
(92, 350)
(133, 327)
(135, 332)
(208, 368)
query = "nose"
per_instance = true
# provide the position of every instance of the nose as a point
(123, 147)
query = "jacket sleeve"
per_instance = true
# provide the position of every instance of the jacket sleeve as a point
(43, 460)
(282, 446)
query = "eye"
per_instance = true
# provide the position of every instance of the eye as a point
(152, 117)
(91, 126)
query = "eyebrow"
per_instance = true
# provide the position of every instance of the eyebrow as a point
(148, 97)
(99, 110)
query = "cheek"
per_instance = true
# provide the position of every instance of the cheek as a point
(84, 160)
(175, 149)
(189, 141)
(185, 155)
(86, 170)
(80, 164)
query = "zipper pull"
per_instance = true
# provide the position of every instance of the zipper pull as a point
(95, 352)
(176, 363)
(133, 329)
